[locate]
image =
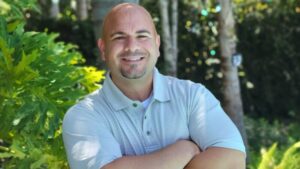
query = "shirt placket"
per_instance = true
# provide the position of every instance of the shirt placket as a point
(148, 131)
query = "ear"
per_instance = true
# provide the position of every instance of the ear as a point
(157, 41)
(101, 47)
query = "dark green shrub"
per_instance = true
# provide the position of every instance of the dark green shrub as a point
(269, 40)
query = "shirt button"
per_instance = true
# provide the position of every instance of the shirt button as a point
(148, 133)
(134, 104)
(145, 117)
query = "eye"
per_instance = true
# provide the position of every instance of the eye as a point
(118, 38)
(142, 36)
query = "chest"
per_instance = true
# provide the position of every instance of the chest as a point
(141, 131)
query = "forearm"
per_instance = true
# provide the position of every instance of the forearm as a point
(218, 158)
(174, 156)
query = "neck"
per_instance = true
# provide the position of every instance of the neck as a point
(135, 89)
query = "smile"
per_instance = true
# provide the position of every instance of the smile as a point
(132, 59)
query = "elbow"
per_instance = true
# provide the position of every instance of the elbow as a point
(237, 161)
(110, 165)
(116, 164)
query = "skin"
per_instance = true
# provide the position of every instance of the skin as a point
(174, 156)
(130, 48)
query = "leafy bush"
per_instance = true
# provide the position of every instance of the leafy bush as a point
(274, 159)
(14, 9)
(39, 82)
(262, 134)
(76, 32)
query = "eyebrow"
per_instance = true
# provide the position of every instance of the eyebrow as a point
(143, 31)
(116, 33)
(138, 32)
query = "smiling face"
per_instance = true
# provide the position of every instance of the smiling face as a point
(130, 44)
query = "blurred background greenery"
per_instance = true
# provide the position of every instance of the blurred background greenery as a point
(42, 74)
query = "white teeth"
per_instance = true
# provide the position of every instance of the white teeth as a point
(133, 59)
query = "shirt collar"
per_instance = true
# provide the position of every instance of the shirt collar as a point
(160, 87)
(119, 101)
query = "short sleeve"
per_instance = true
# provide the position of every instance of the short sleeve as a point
(88, 142)
(209, 125)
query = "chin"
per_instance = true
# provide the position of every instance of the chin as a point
(135, 75)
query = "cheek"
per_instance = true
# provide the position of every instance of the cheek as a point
(115, 45)
(113, 50)
(155, 50)
(151, 46)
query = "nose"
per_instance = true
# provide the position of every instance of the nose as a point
(131, 44)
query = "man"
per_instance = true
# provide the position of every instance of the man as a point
(141, 119)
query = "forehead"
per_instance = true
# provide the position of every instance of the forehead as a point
(128, 19)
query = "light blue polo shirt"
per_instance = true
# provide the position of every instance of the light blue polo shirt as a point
(107, 125)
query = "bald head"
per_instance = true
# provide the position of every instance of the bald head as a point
(129, 45)
(126, 12)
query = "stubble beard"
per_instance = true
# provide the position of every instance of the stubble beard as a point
(132, 73)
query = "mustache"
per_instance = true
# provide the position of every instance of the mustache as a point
(130, 53)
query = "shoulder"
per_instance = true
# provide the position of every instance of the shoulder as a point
(87, 104)
(182, 86)
(190, 94)
(86, 111)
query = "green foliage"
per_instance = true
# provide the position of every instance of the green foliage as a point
(76, 32)
(198, 58)
(289, 159)
(269, 40)
(14, 9)
(40, 81)
(201, 58)
(5, 7)
(267, 158)
(262, 133)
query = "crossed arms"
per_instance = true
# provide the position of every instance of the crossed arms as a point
(183, 154)
(90, 143)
